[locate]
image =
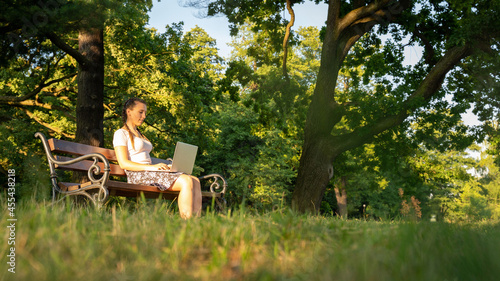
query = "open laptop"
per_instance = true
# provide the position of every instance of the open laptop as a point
(184, 156)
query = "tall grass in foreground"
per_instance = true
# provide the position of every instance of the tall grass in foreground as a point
(151, 242)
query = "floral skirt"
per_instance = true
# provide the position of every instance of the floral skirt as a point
(161, 179)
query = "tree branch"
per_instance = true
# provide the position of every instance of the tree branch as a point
(360, 13)
(435, 78)
(430, 53)
(47, 125)
(361, 20)
(8, 99)
(38, 89)
(287, 36)
(158, 129)
(427, 88)
(333, 14)
(34, 103)
(80, 58)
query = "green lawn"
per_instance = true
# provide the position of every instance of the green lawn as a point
(151, 242)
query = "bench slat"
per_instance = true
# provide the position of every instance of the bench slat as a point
(67, 147)
(85, 165)
(78, 149)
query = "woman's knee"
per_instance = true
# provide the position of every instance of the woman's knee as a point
(188, 182)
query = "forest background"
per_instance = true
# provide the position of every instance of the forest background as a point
(248, 112)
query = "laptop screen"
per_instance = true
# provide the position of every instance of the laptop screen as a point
(184, 157)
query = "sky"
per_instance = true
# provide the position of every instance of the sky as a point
(166, 12)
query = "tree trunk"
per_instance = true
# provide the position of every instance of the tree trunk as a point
(315, 168)
(89, 105)
(341, 195)
(315, 171)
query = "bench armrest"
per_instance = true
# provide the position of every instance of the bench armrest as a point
(92, 170)
(215, 186)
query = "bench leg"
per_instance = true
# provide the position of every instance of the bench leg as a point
(216, 204)
(97, 194)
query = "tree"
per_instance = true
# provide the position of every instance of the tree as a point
(455, 36)
(42, 34)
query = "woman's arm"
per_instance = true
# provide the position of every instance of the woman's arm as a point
(121, 155)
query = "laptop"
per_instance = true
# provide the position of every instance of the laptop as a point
(184, 156)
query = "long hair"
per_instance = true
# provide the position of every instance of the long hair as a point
(130, 104)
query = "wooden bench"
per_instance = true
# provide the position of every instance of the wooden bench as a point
(66, 155)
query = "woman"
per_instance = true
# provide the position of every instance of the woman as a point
(132, 152)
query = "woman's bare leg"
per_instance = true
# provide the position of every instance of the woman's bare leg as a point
(197, 197)
(189, 199)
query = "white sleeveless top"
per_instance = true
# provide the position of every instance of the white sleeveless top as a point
(138, 153)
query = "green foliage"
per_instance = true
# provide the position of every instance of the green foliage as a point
(258, 138)
(472, 204)
(257, 162)
(489, 173)
(234, 150)
(274, 171)
(493, 131)
(433, 172)
(455, 194)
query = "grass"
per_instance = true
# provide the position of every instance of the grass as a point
(151, 242)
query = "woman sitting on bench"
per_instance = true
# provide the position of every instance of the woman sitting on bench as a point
(132, 152)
